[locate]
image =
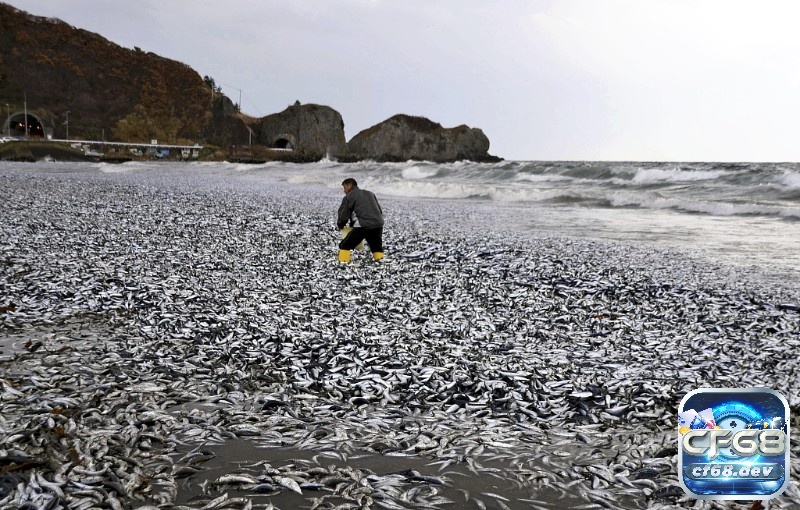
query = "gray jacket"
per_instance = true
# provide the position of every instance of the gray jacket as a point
(360, 208)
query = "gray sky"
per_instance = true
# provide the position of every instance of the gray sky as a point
(679, 80)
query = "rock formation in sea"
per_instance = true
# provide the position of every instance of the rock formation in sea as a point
(405, 137)
(312, 131)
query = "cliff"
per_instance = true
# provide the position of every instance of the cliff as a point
(404, 137)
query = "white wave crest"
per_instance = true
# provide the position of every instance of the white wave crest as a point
(418, 189)
(652, 175)
(417, 172)
(421, 189)
(310, 178)
(533, 195)
(116, 168)
(791, 180)
(698, 206)
(245, 167)
(542, 178)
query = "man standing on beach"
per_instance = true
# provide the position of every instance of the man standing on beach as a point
(362, 211)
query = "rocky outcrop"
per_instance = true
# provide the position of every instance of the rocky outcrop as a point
(311, 131)
(404, 137)
(226, 127)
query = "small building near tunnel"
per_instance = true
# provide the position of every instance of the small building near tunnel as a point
(310, 130)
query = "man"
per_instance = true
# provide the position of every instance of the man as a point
(362, 211)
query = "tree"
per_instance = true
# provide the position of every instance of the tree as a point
(208, 80)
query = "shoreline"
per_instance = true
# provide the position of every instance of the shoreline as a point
(173, 315)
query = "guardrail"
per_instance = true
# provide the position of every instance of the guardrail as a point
(130, 144)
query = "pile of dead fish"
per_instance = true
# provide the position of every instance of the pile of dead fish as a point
(149, 321)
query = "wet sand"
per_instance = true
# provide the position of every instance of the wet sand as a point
(458, 483)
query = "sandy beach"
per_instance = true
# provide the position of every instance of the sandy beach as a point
(182, 340)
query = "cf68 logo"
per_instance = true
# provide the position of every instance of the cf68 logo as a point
(744, 443)
(735, 447)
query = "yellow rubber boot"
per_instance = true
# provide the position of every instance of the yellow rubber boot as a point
(378, 255)
(344, 255)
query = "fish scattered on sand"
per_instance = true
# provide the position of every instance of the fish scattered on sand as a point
(159, 316)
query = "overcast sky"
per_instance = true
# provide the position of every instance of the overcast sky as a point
(678, 80)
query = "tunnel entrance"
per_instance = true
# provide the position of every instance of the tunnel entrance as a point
(282, 143)
(15, 125)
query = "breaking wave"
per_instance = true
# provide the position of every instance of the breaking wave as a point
(740, 189)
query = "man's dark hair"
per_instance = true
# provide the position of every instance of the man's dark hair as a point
(350, 180)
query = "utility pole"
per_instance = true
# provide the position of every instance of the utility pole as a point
(239, 106)
(67, 123)
(250, 141)
(8, 121)
(26, 114)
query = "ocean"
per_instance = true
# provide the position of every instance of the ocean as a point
(741, 214)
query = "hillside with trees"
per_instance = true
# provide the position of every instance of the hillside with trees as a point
(109, 91)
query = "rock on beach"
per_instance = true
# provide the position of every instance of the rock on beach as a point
(150, 318)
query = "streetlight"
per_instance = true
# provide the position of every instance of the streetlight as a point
(67, 123)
